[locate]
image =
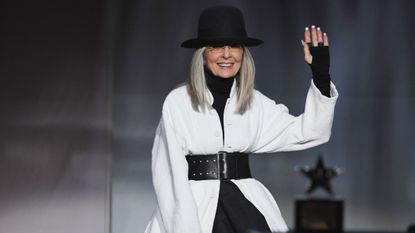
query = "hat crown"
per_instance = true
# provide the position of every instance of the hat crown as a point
(221, 21)
(221, 25)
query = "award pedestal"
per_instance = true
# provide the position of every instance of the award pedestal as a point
(319, 214)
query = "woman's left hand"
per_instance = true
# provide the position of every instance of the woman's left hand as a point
(313, 38)
(316, 51)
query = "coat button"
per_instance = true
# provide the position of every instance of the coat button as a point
(217, 134)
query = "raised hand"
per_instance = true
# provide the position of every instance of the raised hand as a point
(316, 50)
(316, 54)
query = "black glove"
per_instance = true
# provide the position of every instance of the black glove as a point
(320, 68)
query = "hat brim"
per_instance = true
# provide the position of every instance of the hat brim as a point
(200, 42)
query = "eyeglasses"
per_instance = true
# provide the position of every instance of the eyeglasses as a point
(221, 48)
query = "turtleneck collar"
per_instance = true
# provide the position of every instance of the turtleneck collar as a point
(217, 84)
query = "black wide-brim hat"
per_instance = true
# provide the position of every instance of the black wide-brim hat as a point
(220, 25)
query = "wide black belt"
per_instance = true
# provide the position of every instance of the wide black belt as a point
(222, 166)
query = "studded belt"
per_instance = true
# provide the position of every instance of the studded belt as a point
(222, 165)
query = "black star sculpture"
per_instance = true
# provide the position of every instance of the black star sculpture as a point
(320, 176)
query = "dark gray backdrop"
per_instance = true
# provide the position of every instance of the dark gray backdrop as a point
(54, 117)
(372, 66)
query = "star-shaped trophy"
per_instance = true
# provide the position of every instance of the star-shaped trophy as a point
(322, 213)
(319, 176)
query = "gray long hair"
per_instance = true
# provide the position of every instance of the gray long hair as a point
(197, 88)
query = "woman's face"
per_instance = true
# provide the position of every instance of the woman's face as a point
(224, 61)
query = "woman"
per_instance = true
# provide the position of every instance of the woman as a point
(209, 127)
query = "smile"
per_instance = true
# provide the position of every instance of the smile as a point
(225, 65)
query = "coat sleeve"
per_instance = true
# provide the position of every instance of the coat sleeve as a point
(170, 179)
(281, 131)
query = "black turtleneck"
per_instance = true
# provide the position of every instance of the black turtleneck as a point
(220, 89)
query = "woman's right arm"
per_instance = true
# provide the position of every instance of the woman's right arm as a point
(170, 179)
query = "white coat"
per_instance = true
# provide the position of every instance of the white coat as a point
(185, 206)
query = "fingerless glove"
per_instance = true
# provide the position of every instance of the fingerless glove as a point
(320, 68)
